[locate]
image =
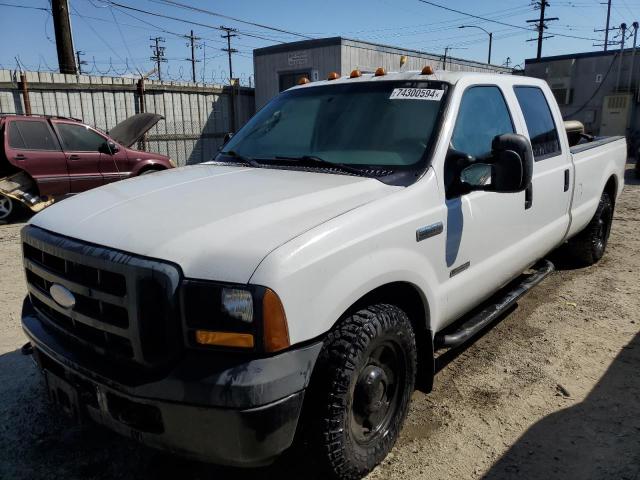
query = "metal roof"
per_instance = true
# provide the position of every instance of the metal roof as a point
(337, 41)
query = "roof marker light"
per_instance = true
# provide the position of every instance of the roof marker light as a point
(355, 74)
(428, 70)
(333, 76)
(303, 81)
(380, 72)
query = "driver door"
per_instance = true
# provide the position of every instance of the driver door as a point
(483, 229)
(82, 147)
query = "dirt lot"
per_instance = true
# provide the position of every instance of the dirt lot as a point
(550, 392)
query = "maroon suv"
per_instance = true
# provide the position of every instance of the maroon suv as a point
(43, 158)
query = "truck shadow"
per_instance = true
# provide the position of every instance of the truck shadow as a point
(597, 438)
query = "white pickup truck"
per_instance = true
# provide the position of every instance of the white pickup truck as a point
(295, 289)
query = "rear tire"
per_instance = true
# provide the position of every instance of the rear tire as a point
(360, 391)
(8, 207)
(588, 247)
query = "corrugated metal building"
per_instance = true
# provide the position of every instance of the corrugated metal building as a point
(279, 67)
(600, 89)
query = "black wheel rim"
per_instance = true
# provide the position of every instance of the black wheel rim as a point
(602, 230)
(377, 393)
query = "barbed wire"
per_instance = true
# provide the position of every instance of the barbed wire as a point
(172, 73)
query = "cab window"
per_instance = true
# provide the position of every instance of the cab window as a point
(482, 116)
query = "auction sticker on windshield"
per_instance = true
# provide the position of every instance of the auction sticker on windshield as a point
(416, 94)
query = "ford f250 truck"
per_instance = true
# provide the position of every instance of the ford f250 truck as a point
(296, 289)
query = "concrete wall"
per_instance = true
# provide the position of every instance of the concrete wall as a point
(197, 116)
(342, 55)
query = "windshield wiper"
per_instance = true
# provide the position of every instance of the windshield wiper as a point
(242, 158)
(314, 160)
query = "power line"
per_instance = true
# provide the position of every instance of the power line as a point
(177, 19)
(498, 21)
(246, 22)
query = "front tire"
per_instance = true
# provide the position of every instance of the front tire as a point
(361, 390)
(588, 247)
(7, 208)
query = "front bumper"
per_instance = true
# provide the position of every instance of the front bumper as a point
(229, 411)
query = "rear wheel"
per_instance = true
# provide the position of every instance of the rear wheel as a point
(361, 389)
(588, 247)
(7, 208)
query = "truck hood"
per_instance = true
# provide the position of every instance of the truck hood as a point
(130, 130)
(216, 222)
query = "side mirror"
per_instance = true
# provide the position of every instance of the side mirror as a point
(509, 169)
(110, 148)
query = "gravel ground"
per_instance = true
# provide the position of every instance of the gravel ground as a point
(550, 392)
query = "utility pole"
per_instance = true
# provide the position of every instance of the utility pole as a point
(606, 29)
(158, 54)
(446, 54)
(81, 62)
(64, 40)
(507, 62)
(192, 41)
(633, 54)
(228, 35)
(623, 32)
(541, 5)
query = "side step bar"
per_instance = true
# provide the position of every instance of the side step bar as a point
(498, 305)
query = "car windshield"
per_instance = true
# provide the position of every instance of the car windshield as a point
(378, 124)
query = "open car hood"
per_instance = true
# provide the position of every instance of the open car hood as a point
(132, 129)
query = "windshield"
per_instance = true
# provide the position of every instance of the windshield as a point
(383, 124)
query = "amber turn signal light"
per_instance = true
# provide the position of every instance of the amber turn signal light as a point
(380, 72)
(224, 339)
(428, 70)
(333, 76)
(276, 332)
(303, 81)
(355, 74)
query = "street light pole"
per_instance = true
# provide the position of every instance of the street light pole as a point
(485, 31)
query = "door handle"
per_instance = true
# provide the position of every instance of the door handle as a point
(567, 177)
(528, 197)
(74, 157)
(20, 156)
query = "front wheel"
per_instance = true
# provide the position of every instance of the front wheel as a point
(7, 208)
(361, 389)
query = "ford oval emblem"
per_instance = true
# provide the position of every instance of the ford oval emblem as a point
(62, 296)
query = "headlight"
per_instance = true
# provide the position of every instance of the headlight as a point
(246, 317)
(237, 304)
(173, 163)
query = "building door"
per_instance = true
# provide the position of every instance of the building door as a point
(287, 80)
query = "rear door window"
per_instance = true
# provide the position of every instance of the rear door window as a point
(537, 115)
(31, 135)
(78, 138)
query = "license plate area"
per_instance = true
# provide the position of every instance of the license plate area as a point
(64, 396)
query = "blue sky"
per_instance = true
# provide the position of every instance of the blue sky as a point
(116, 39)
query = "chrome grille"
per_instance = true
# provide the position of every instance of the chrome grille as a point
(125, 306)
